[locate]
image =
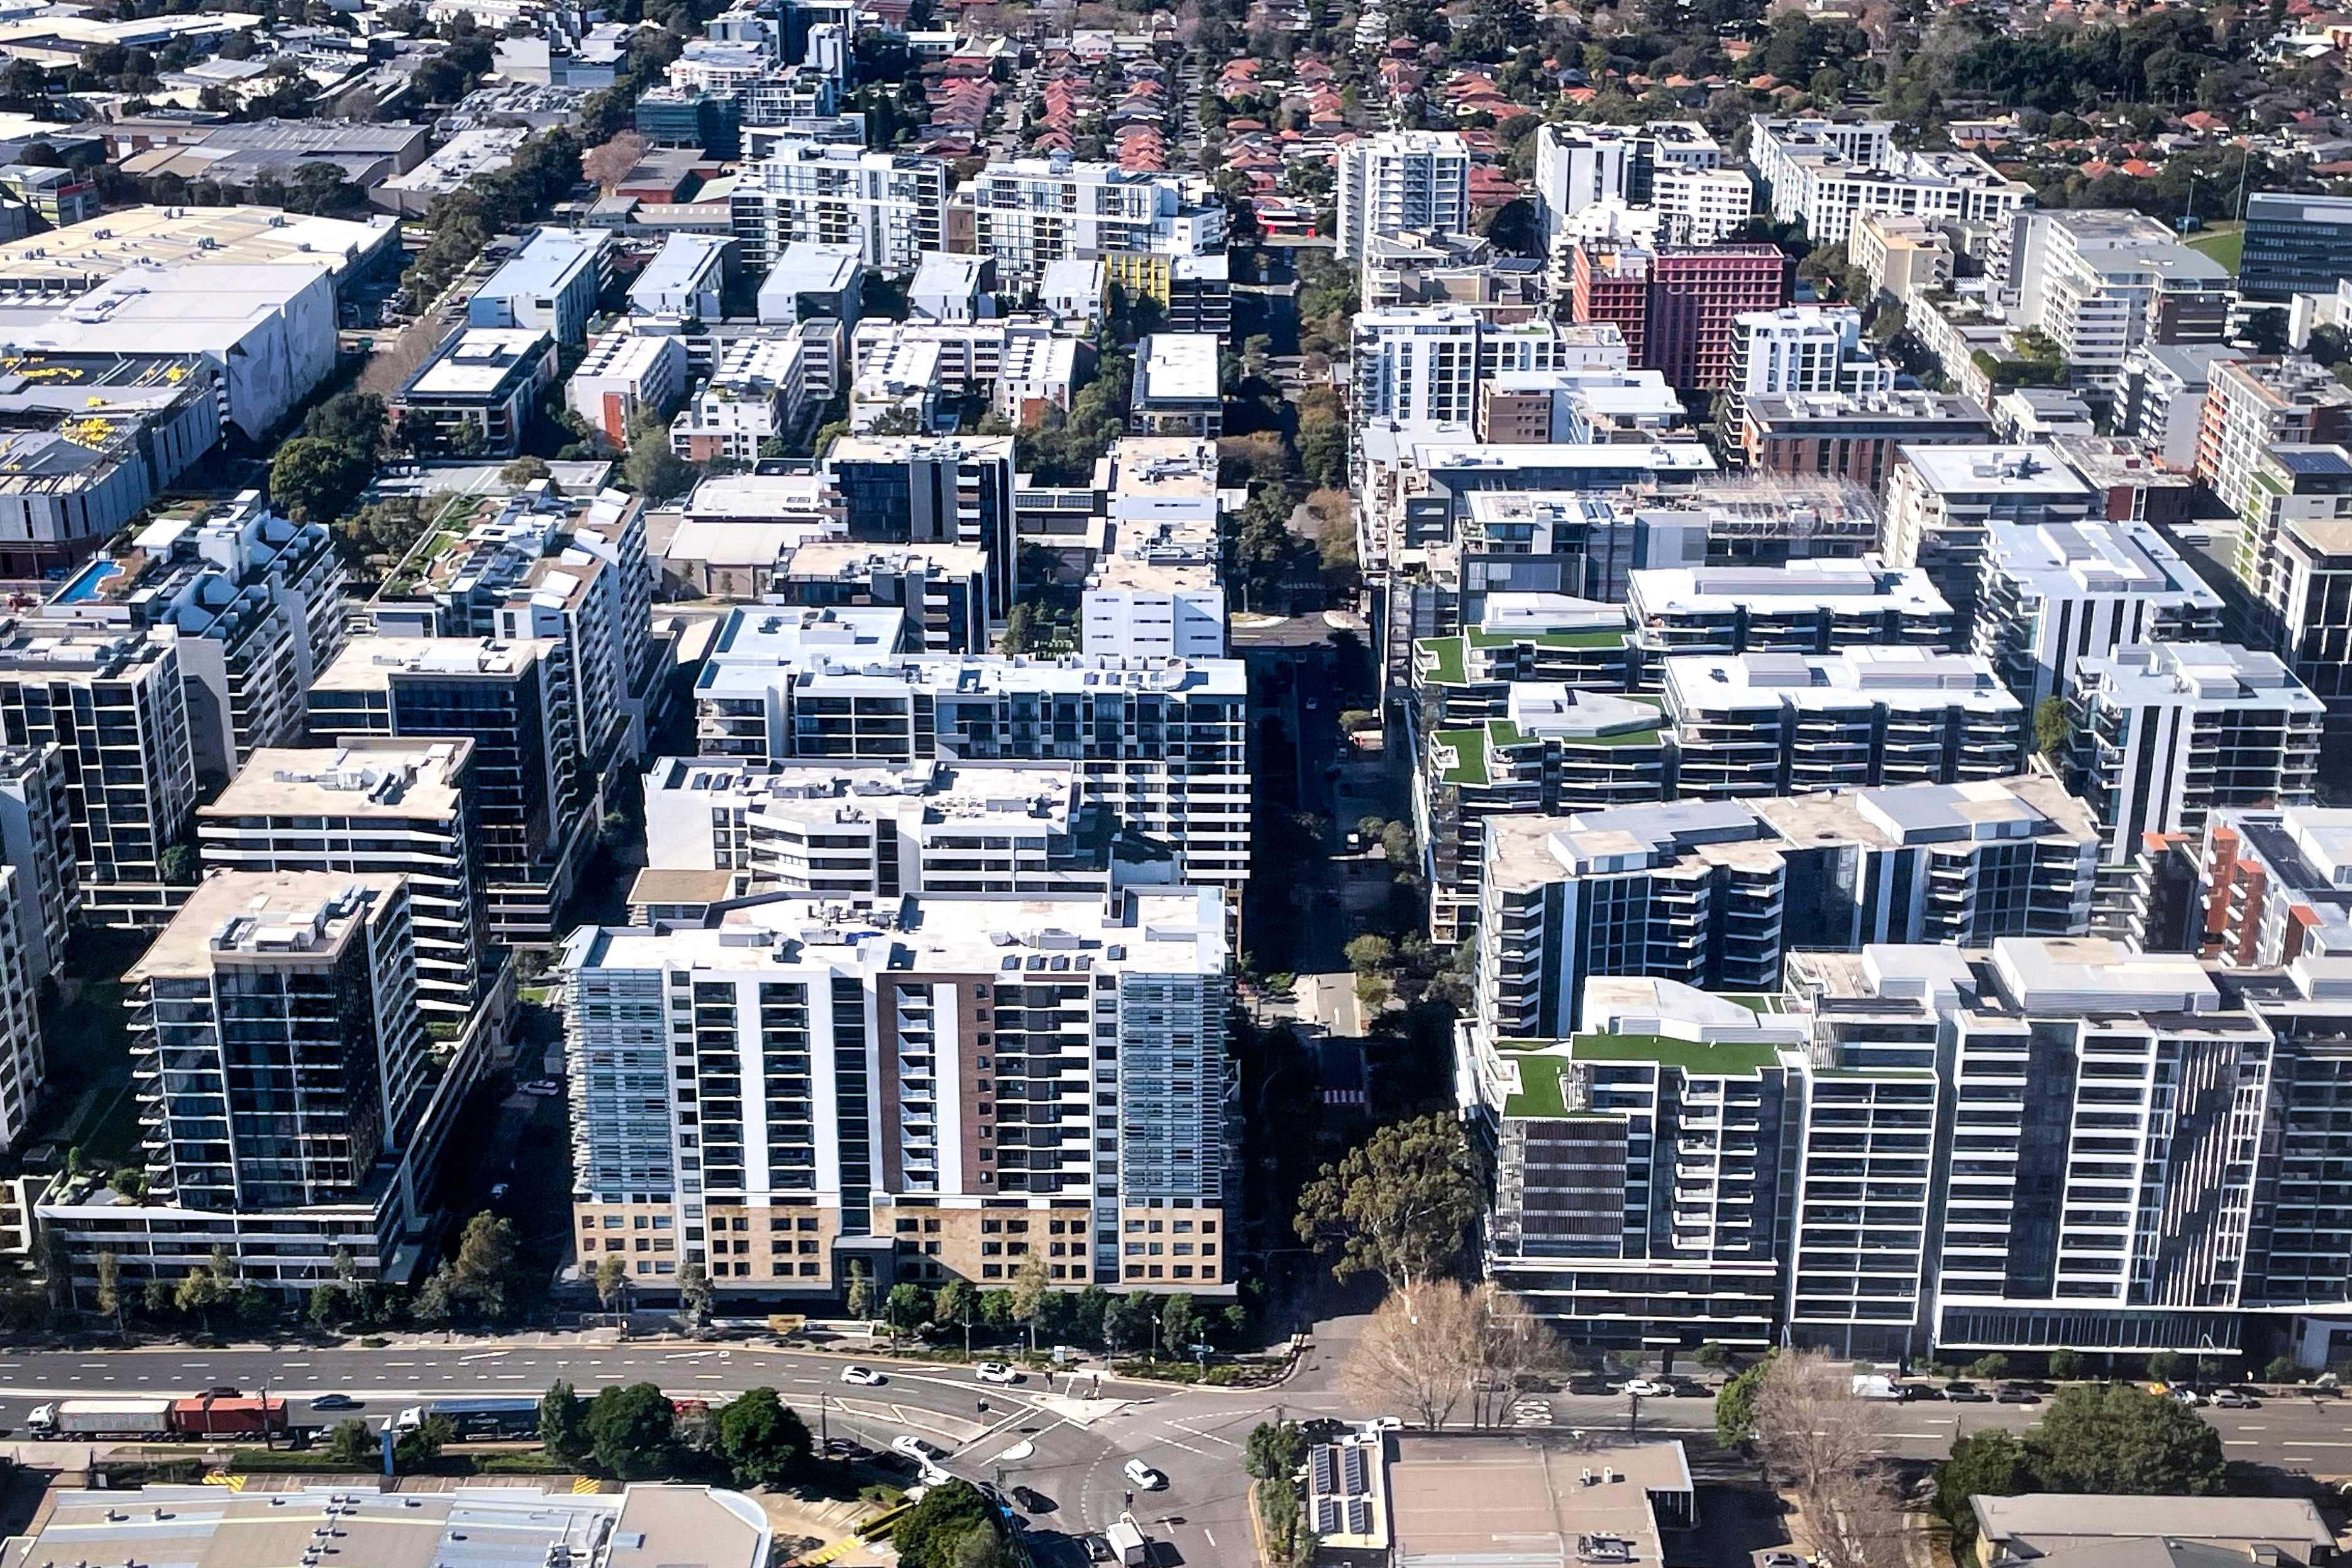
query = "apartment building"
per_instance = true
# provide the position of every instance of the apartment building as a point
(2164, 734)
(2163, 393)
(1679, 307)
(1581, 166)
(1703, 207)
(316, 1149)
(1716, 894)
(2274, 884)
(37, 839)
(1414, 365)
(1799, 349)
(626, 380)
(539, 807)
(892, 206)
(2294, 245)
(2054, 595)
(1784, 723)
(115, 705)
(24, 1066)
(1178, 388)
(941, 588)
(1572, 642)
(1029, 212)
(551, 285)
(919, 489)
(256, 604)
(759, 391)
(2306, 493)
(1157, 586)
(2251, 405)
(478, 396)
(948, 1089)
(1902, 255)
(1854, 436)
(1824, 173)
(1552, 749)
(820, 829)
(1400, 182)
(376, 805)
(1941, 502)
(2100, 284)
(1797, 606)
(1160, 743)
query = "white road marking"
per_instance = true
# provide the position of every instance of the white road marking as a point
(1207, 1536)
(480, 1355)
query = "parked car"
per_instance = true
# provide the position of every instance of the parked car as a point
(1644, 1388)
(1032, 1501)
(2012, 1393)
(1142, 1476)
(1323, 1429)
(914, 1448)
(1780, 1560)
(2231, 1399)
(2190, 1397)
(996, 1372)
(1966, 1393)
(1097, 1549)
(863, 1376)
(543, 1086)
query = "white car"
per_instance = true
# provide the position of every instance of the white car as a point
(996, 1372)
(914, 1448)
(1143, 1476)
(1643, 1388)
(863, 1376)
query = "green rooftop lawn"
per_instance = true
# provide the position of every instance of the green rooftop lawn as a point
(1725, 1059)
(1447, 654)
(1470, 751)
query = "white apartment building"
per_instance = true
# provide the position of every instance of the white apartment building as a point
(2100, 284)
(626, 380)
(36, 837)
(1403, 180)
(758, 390)
(880, 832)
(2164, 397)
(1824, 173)
(116, 706)
(929, 1090)
(1029, 212)
(890, 205)
(254, 602)
(2056, 594)
(1162, 743)
(1940, 501)
(1415, 365)
(1581, 166)
(1799, 349)
(1784, 723)
(377, 806)
(2165, 732)
(1797, 606)
(1156, 588)
(1703, 207)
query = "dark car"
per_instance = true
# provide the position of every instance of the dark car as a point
(1685, 1389)
(1031, 1500)
(335, 1402)
(1097, 1549)
(1966, 1393)
(2012, 1393)
(1322, 1429)
(223, 1391)
(1911, 1391)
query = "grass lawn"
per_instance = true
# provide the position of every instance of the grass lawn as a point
(2222, 241)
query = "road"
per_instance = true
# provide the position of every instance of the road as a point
(1070, 1448)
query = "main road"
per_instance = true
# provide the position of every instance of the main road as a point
(1061, 1437)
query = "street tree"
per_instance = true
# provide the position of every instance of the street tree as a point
(695, 1296)
(954, 1526)
(957, 1304)
(763, 1441)
(1029, 1288)
(1419, 1353)
(632, 1430)
(1180, 1324)
(1274, 1450)
(110, 1286)
(1983, 1463)
(1397, 1204)
(905, 1309)
(1734, 1405)
(861, 1297)
(1513, 1343)
(563, 1424)
(352, 1446)
(1821, 1441)
(2116, 1437)
(612, 1280)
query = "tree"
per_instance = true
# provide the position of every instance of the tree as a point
(1129, 1320)
(524, 470)
(609, 164)
(1513, 1344)
(1420, 1351)
(1734, 1405)
(110, 1286)
(353, 420)
(2053, 731)
(1991, 1367)
(612, 1280)
(1398, 1205)
(1369, 954)
(651, 469)
(956, 1303)
(2281, 1369)
(177, 865)
(423, 1444)
(695, 1296)
(2166, 1366)
(1820, 1441)
(1983, 1463)
(311, 480)
(563, 1424)
(765, 1443)
(482, 1275)
(2116, 1437)
(631, 1430)
(906, 1308)
(353, 1446)
(1712, 1354)
(1180, 1323)
(2065, 1365)
(1273, 1450)
(955, 1526)
(1028, 1292)
(860, 1302)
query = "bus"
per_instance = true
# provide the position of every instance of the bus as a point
(475, 1419)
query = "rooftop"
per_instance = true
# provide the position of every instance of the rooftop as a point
(1994, 470)
(260, 914)
(1505, 1504)
(363, 776)
(1177, 367)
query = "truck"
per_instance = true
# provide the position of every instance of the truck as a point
(161, 1419)
(1126, 1540)
(475, 1419)
(1875, 1385)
